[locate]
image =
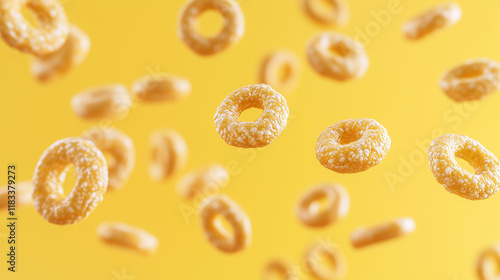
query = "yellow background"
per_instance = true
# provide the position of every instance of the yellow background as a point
(400, 90)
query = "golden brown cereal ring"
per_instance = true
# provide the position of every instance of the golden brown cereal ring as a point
(255, 134)
(352, 146)
(221, 205)
(338, 14)
(168, 154)
(337, 207)
(488, 263)
(362, 237)
(50, 172)
(473, 80)
(457, 180)
(313, 262)
(198, 181)
(270, 69)
(106, 101)
(72, 53)
(120, 147)
(126, 236)
(279, 268)
(439, 17)
(161, 87)
(20, 34)
(24, 194)
(231, 32)
(337, 56)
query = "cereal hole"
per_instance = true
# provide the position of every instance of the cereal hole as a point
(324, 261)
(69, 179)
(319, 204)
(30, 16)
(472, 72)
(210, 23)
(250, 115)
(223, 226)
(275, 274)
(348, 137)
(322, 7)
(465, 165)
(340, 49)
(284, 73)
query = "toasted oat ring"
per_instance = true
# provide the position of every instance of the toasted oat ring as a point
(473, 80)
(352, 146)
(126, 236)
(255, 134)
(198, 181)
(92, 171)
(362, 237)
(120, 147)
(20, 34)
(486, 263)
(107, 101)
(337, 206)
(350, 60)
(455, 179)
(161, 87)
(220, 205)
(313, 263)
(231, 32)
(279, 268)
(338, 14)
(437, 18)
(168, 154)
(273, 63)
(24, 194)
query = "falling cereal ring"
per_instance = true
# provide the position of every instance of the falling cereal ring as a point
(362, 237)
(338, 14)
(352, 146)
(273, 63)
(280, 268)
(337, 205)
(313, 262)
(168, 154)
(92, 171)
(20, 34)
(197, 182)
(126, 236)
(440, 17)
(215, 232)
(481, 185)
(161, 87)
(23, 194)
(473, 80)
(350, 60)
(251, 134)
(487, 262)
(231, 32)
(107, 101)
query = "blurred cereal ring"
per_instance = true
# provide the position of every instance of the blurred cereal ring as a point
(352, 146)
(270, 70)
(488, 263)
(319, 251)
(126, 236)
(255, 134)
(92, 171)
(107, 101)
(281, 269)
(439, 17)
(168, 154)
(161, 87)
(231, 32)
(197, 182)
(362, 237)
(23, 192)
(20, 34)
(338, 14)
(455, 179)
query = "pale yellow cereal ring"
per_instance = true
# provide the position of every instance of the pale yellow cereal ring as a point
(198, 181)
(488, 263)
(129, 237)
(279, 269)
(337, 14)
(92, 171)
(168, 154)
(107, 101)
(161, 87)
(437, 18)
(271, 66)
(362, 237)
(473, 80)
(337, 56)
(121, 149)
(71, 54)
(481, 185)
(337, 206)
(313, 263)
(23, 193)
(255, 134)
(220, 205)
(231, 32)
(352, 146)
(16, 31)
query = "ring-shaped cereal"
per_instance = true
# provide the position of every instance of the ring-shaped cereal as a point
(279, 268)
(161, 87)
(231, 32)
(437, 18)
(481, 185)
(255, 134)
(319, 251)
(121, 149)
(168, 152)
(337, 206)
(199, 181)
(362, 237)
(472, 80)
(23, 193)
(19, 33)
(352, 146)
(337, 14)
(488, 263)
(271, 68)
(107, 101)
(126, 236)
(337, 56)
(220, 205)
(92, 171)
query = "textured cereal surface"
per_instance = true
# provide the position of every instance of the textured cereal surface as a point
(362, 237)
(274, 63)
(106, 101)
(488, 262)
(24, 193)
(168, 152)
(337, 14)
(337, 267)
(203, 180)
(161, 87)
(127, 236)
(437, 18)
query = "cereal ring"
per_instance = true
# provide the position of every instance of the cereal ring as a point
(352, 146)
(338, 14)
(71, 54)
(270, 69)
(473, 80)
(126, 236)
(106, 101)
(50, 172)
(255, 134)
(313, 262)
(161, 87)
(231, 32)
(337, 56)
(197, 182)
(20, 34)
(337, 206)
(362, 237)
(279, 269)
(457, 180)
(487, 262)
(24, 193)
(221, 205)
(439, 17)
(121, 149)
(168, 154)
